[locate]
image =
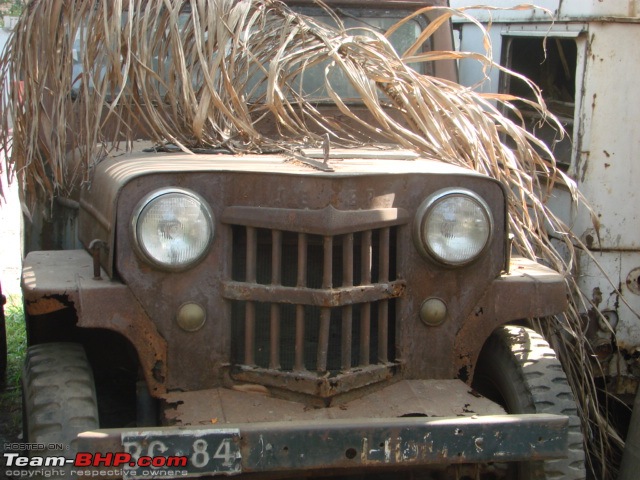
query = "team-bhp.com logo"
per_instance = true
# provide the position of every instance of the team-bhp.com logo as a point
(122, 460)
(145, 455)
(94, 464)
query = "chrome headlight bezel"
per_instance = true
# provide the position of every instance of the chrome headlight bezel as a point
(139, 244)
(423, 215)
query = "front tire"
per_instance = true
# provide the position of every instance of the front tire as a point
(519, 370)
(59, 397)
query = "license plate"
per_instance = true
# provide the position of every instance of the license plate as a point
(186, 453)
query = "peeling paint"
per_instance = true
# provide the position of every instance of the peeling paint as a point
(596, 296)
(633, 281)
(479, 443)
(47, 304)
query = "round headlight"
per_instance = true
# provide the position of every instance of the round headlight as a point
(453, 227)
(173, 228)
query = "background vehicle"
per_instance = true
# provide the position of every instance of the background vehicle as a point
(580, 59)
(310, 309)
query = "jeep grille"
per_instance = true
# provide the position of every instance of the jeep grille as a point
(295, 331)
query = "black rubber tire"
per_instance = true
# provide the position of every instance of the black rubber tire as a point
(59, 396)
(519, 370)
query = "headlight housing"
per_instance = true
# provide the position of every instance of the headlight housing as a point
(453, 227)
(172, 228)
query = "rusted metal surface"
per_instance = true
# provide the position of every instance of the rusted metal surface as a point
(434, 398)
(320, 386)
(331, 297)
(68, 275)
(49, 280)
(45, 304)
(401, 442)
(368, 327)
(410, 423)
(328, 220)
(529, 290)
(97, 213)
(94, 247)
(354, 444)
(384, 198)
(346, 445)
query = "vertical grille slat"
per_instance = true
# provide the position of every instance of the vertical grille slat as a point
(276, 278)
(301, 282)
(383, 307)
(313, 337)
(325, 313)
(299, 346)
(365, 314)
(347, 311)
(250, 312)
(323, 339)
(384, 249)
(252, 254)
(327, 267)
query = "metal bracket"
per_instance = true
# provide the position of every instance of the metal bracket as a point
(95, 247)
(298, 154)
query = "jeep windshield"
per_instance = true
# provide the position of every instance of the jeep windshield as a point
(309, 80)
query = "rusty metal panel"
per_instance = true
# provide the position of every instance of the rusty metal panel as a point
(540, 291)
(248, 403)
(55, 280)
(401, 442)
(400, 345)
(319, 384)
(237, 309)
(353, 443)
(330, 297)
(98, 202)
(410, 423)
(327, 221)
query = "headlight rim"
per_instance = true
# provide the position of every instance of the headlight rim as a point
(421, 216)
(145, 202)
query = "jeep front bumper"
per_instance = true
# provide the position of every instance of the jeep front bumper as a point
(233, 434)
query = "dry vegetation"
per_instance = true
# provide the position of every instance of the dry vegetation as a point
(199, 97)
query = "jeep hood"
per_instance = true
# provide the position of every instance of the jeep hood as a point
(99, 197)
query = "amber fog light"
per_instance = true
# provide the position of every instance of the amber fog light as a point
(191, 317)
(433, 312)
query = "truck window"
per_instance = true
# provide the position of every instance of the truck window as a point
(551, 64)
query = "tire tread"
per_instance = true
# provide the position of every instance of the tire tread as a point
(59, 395)
(544, 385)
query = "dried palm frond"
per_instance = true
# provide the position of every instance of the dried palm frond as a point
(95, 75)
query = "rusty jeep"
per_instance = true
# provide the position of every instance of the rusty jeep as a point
(324, 312)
